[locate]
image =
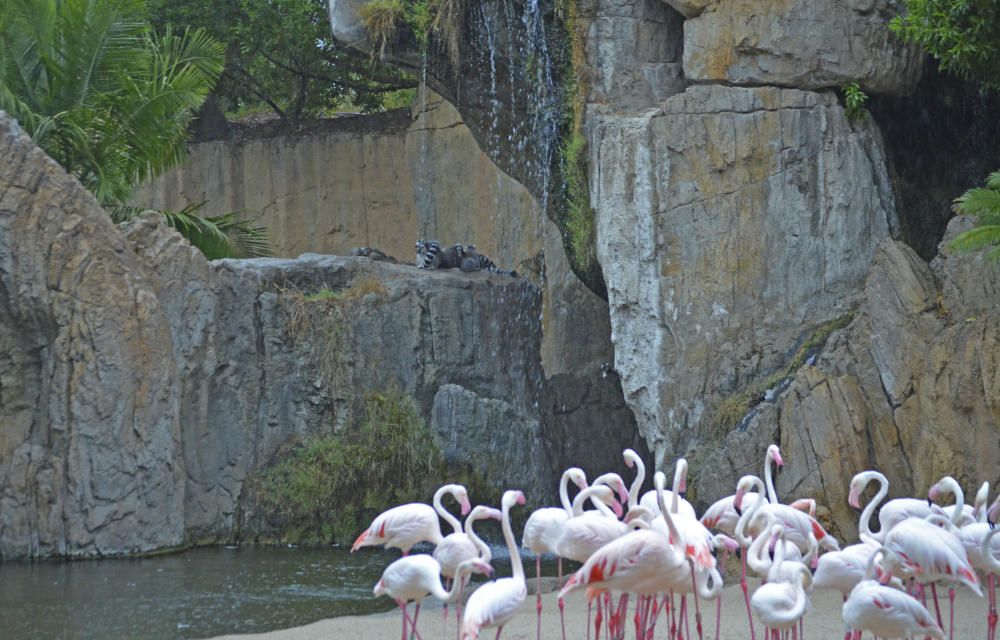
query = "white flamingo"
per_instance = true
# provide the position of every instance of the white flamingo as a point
(678, 503)
(408, 524)
(495, 603)
(892, 512)
(886, 612)
(542, 531)
(416, 577)
(782, 601)
(457, 548)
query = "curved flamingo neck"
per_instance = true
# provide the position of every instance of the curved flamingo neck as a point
(779, 556)
(582, 497)
(484, 550)
(640, 477)
(950, 485)
(772, 495)
(517, 569)
(799, 607)
(680, 478)
(564, 491)
(438, 591)
(445, 515)
(869, 510)
(660, 481)
(701, 583)
(979, 506)
(749, 514)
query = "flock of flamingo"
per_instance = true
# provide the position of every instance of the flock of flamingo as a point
(659, 549)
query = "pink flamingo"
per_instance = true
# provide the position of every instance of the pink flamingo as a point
(887, 612)
(408, 524)
(678, 504)
(495, 603)
(892, 512)
(991, 566)
(542, 531)
(782, 601)
(416, 577)
(456, 548)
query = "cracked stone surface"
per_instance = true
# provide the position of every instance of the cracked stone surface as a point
(806, 44)
(731, 223)
(910, 388)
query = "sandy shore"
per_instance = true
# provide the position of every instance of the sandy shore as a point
(823, 621)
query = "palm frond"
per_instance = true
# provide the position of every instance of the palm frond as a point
(978, 238)
(977, 202)
(993, 181)
(224, 236)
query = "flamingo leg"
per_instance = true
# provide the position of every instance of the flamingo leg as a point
(746, 591)
(598, 619)
(562, 616)
(589, 605)
(951, 613)
(458, 612)
(991, 617)
(684, 615)
(447, 587)
(402, 607)
(937, 606)
(697, 608)
(538, 599)
(499, 629)
(413, 627)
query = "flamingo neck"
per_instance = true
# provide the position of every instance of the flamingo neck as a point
(774, 573)
(640, 477)
(951, 485)
(869, 510)
(445, 515)
(675, 535)
(757, 558)
(680, 475)
(517, 569)
(772, 495)
(748, 514)
(582, 497)
(979, 507)
(986, 549)
(484, 550)
(451, 595)
(701, 584)
(564, 492)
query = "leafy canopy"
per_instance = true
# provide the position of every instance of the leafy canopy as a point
(104, 95)
(964, 35)
(984, 204)
(280, 53)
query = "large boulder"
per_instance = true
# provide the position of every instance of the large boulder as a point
(807, 44)
(90, 453)
(731, 223)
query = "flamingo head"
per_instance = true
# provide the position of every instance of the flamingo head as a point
(854, 497)
(775, 454)
(578, 477)
(482, 567)
(519, 497)
(630, 458)
(466, 505)
(993, 512)
(744, 485)
(933, 493)
(617, 508)
(482, 512)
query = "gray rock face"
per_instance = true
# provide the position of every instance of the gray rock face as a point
(730, 223)
(90, 458)
(910, 387)
(807, 44)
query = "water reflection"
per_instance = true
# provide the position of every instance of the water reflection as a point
(195, 594)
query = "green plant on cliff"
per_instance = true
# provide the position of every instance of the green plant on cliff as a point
(984, 204)
(854, 101)
(332, 485)
(442, 19)
(964, 35)
(108, 98)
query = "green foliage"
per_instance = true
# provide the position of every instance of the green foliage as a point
(279, 53)
(224, 236)
(854, 101)
(99, 91)
(578, 214)
(346, 479)
(984, 204)
(964, 35)
(422, 18)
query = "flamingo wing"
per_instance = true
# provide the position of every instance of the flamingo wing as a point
(492, 605)
(543, 528)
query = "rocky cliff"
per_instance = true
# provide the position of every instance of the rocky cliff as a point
(741, 216)
(145, 388)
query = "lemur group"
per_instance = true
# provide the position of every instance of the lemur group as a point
(431, 255)
(654, 548)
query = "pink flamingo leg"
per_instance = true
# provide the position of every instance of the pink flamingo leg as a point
(937, 606)
(499, 629)
(402, 607)
(458, 612)
(746, 591)
(589, 605)
(538, 600)
(951, 613)
(991, 617)
(413, 627)
(598, 619)
(697, 608)
(562, 617)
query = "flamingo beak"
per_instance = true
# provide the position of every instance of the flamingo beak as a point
(854, 499)
(466, 506)
(520, 497)
(617, 508)
(738, 501)
(622, 493)
(933, 493)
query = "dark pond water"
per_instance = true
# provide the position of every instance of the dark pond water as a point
(195, 594)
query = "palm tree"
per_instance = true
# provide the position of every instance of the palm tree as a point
(984, 203)
(108, 98)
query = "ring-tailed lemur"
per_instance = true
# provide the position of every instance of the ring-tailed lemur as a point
(475, 261)
(430, 255)
(372, 253)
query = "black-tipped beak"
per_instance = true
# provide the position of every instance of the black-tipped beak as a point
(992, 524)
(930, 503)
(739, 511)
